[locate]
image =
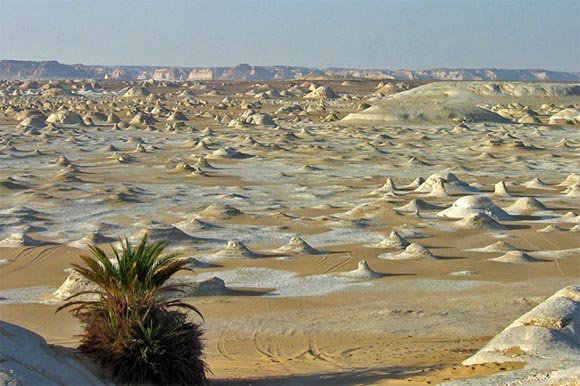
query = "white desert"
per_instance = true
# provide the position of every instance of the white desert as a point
(339, 232)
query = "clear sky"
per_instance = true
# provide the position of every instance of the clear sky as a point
(386, 34)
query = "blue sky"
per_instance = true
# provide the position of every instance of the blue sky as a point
(388, 34)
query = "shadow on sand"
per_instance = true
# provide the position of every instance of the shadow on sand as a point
(368, 376)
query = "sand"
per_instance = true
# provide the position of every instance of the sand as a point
(301, 203)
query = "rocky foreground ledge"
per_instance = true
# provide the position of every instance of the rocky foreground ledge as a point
(547, 339)
(26, 359)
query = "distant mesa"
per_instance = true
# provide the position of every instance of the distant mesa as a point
(20, 69)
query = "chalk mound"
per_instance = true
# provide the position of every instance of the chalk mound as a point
(572, 191)
(478, 221)
(363, 272)
(501, 190)
(33, 122)
(320, 93)
(439, 189)
(210, 287)
(394, 240)
(517, 257)
(235, 250)
(551, 228)
(19, 239)
(441, 184)
(427, 185)
(22, 215)
(464, 273)
(536, 183)
(568, 116)
(28, 360)
(572, 217)
(548, 333)
(526, 204)
(142, 119)
(10, 183)
(65, 117)
(415, 183)
(202, 163)
(571, 179)
(388, 187)
(500, 246)
(74, 284)
(220, 212)
(412, 252)
(94, 238)
(161, 232)
(260, 120)
(298, 246)
(177, 116)
(183, 167)
(226, 152)
(194, 224)
(136, 92)
(67, 175)
(468, 205)
(417, 205)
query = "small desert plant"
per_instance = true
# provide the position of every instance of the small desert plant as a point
(131, 327)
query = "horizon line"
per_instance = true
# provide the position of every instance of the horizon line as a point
(294, 66)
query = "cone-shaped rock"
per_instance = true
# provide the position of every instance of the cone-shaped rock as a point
(363, 272)
(299, 246)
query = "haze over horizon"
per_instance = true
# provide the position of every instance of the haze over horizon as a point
(367, 34)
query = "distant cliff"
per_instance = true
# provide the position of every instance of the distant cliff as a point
(18, 69)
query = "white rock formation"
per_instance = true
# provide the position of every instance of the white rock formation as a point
(468, 205)
(362, 272)
(299, 246)
(547, 338)
(26, 359)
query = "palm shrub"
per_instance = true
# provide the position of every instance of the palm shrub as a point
(132, 327)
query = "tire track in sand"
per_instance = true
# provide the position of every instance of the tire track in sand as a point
(28, 256)
(221, 343)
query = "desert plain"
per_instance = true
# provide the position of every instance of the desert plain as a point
(339, 232)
